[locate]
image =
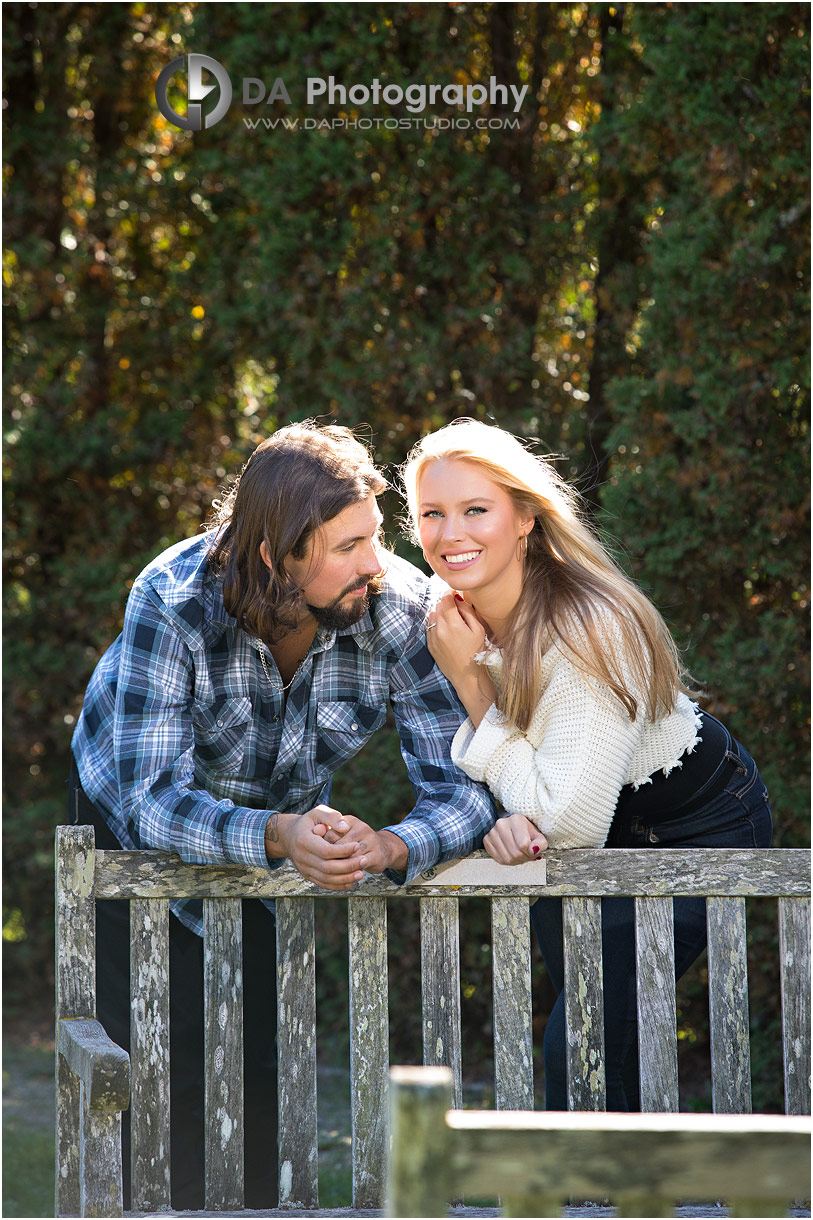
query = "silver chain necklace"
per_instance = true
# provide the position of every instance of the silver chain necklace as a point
(260, 646)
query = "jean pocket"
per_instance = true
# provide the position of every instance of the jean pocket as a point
(740, 833)
(732, 819)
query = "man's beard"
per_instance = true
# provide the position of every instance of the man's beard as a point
(337, 617)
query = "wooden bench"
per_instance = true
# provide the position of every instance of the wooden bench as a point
(647, 1163)
(92, 1076)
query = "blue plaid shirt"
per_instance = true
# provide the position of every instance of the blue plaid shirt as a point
(185, 745)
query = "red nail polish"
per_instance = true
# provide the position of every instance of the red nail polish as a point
(535, 848)
(459, 597)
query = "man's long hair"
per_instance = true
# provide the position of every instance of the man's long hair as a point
(295, 481)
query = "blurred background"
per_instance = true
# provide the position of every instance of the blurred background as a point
(620, 269)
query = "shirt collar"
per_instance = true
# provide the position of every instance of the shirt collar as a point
(216, 612)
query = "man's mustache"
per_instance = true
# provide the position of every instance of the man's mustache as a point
(365, 580)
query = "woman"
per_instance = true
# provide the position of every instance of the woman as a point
(580, 717)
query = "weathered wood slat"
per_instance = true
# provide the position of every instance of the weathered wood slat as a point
(75, 993)
(369, 1046)
(794, 958)
(296, 1046)
(149, 1053)
(513, 1008)
(657, 1016)
(223, 1052)
(584, 1004)
(440, 988)
(587, 872)
(728, 1006)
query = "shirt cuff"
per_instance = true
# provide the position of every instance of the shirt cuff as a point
(473, 748)
(423, 846)
(244, 837)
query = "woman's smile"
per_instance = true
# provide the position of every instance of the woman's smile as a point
(461, 559)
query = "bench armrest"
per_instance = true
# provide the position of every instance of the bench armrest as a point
(101, 1065)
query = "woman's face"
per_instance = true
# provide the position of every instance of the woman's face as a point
(469, 528)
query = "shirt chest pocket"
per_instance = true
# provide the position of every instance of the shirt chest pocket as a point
(221, 729)
(342, 729)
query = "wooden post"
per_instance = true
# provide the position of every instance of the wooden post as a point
(513, 1007)
(75, 995)
(223, 1051)
(296, 1043)
(584, 1004)
(149, 1053)
(440, 988)
(418, 1177)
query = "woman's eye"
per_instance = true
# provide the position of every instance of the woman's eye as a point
(476, 508)
(431, 512)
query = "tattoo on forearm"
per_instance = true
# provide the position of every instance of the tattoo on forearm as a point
(272, 829)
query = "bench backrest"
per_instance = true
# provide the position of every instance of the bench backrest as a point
(148, 880)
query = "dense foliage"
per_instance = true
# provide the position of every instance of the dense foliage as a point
(622, 273)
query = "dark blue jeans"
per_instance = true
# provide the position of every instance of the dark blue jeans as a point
(738, 815)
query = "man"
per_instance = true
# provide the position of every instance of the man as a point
(254, 660)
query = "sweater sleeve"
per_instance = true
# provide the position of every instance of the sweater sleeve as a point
(565, 773)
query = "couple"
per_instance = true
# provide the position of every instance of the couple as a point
(538, 695)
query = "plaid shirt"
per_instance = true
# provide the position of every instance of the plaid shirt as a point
(185, 745)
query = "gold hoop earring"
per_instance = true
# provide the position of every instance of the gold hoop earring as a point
(522, 547)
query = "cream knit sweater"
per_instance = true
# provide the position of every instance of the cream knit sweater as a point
(565, 773)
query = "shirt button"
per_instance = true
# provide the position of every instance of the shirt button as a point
(275, 719)
(354, 727)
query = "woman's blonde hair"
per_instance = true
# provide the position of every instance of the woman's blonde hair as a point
(570, 583)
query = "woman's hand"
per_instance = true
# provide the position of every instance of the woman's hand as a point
(454, 636)
(514, 840)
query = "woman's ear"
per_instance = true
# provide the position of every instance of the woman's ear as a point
(265, 554)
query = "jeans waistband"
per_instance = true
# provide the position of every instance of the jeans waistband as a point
(729, 765)
(693, 779)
